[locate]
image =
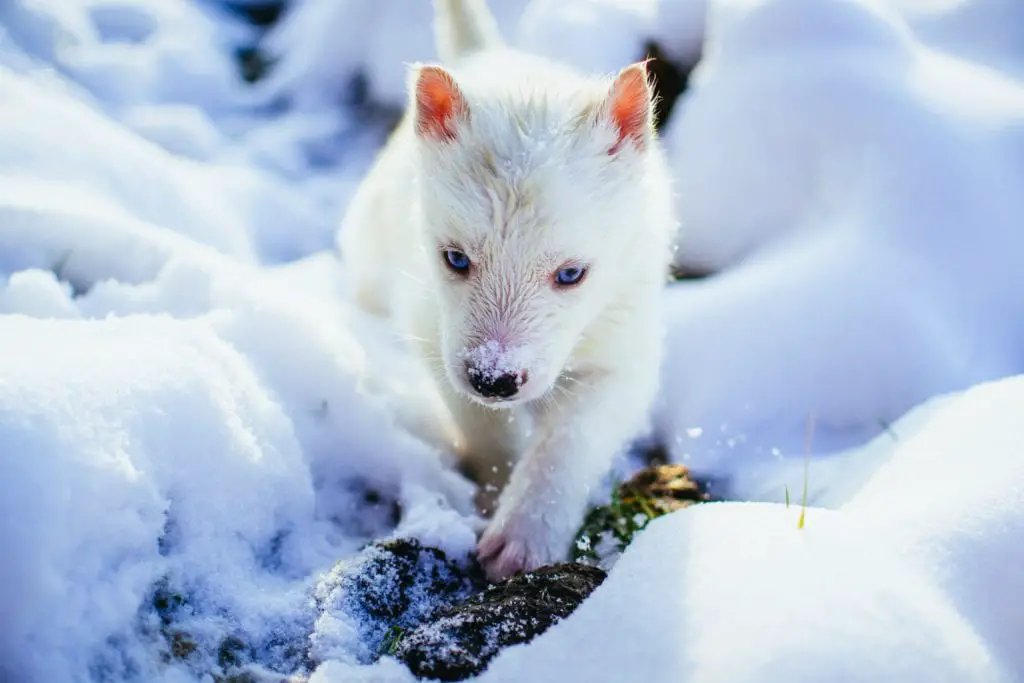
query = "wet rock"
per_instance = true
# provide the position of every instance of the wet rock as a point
(462, 640)
(392, 587)
(650, 493)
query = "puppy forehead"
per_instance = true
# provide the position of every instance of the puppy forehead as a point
(529, 212)
(523, 239)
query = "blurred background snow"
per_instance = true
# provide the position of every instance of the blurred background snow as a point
(187, 399)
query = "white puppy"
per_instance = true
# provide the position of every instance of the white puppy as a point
(517, 230)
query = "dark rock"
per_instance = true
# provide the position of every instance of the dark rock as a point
(166, 602)
(212, 645)
(462, 640)
(650, 493)
(392, 587)
(669, 79)
(182, 645)
(262, 14)
(253, 63)
(232, 653)
(679, 273)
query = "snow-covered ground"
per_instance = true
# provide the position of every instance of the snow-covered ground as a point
(187, 400)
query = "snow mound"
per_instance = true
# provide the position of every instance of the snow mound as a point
(129, 51)
(599, 36)
(907, 581)
(215, 452)
(863, 218)
(255, 193)
(990, 32)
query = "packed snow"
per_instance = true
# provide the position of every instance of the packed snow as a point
(193, 418)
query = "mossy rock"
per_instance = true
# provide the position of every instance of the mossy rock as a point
(435, 614)
(229, 658)
(462, 640)
(393, 586)
(650, 493)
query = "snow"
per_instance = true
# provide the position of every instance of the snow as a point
(596, 35)
(910, 579)
(877, 243)
(189, 404)
(215, 449)
(330, 51)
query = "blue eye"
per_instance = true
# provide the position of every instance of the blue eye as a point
(456, 260)
(570, 275)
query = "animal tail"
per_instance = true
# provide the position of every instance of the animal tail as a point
(462, 27)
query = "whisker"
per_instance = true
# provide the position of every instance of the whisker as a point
(409, 275)
(577, 381)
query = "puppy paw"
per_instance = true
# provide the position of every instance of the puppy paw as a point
(503, 556)
(517, 542)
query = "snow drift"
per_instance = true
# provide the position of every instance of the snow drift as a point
(860, 213)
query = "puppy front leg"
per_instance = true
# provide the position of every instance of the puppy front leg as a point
(577, 434)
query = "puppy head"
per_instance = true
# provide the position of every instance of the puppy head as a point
(532, 194)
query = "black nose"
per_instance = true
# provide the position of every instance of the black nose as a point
(495, 385)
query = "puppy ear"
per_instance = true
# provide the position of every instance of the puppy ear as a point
(439, 106)
(629, 106)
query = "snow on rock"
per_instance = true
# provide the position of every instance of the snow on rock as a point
(389, 587)
(864, 218)
(459, 641)
(111, 431)
(910, 580)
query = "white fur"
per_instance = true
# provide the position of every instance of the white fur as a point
(526, 186)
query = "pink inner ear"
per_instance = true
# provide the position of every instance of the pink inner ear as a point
(438, 103)
(629, 106)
